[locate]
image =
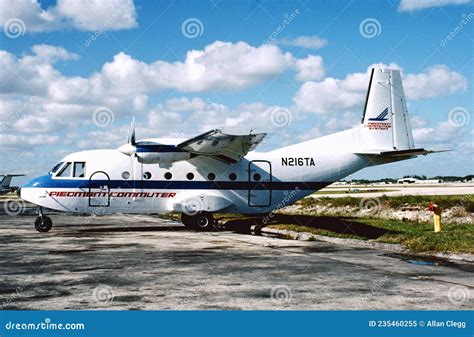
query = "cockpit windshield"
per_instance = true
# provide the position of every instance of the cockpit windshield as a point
(75, 169)
(56, 168)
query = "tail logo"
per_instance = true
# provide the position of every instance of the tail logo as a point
(381, 117)
(379, 122)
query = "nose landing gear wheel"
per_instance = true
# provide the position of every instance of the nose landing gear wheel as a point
(43, 224)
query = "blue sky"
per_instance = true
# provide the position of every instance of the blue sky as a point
(55, 79)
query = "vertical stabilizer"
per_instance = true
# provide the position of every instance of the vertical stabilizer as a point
(385, 123)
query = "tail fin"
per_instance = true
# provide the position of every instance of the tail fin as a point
(385, 123)
(6, 181)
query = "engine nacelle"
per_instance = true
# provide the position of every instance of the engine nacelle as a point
(154, 153)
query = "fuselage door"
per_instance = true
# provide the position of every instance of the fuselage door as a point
(260, 177)
(99, 189)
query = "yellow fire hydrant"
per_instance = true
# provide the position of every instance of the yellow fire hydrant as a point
(436, 216)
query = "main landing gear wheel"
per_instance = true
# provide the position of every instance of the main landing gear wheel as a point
(187, 220)
(43, 223)
(202, 221)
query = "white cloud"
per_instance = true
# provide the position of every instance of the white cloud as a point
(418, 122)
(15, 140)
(51, 54)
(140, 102)
(219, 66)
(184, 118)
(51, 102)
(308, 42)
(322, 97)
(93, 15)
(103, 139)
(87, 15)
(334, 94)
(344, 121)
(413, 5)
(310, 68)
(437, 80)
(30, 12)
(123, 85)
(444, 135)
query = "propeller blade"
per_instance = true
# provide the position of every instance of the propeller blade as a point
(132, 132)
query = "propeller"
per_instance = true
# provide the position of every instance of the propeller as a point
(132, 132)
(130, 147)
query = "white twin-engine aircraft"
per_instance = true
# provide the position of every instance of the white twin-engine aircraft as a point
(217, 172)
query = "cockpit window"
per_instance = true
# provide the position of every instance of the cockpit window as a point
(56, 168)
(65, 171)
(79, 169)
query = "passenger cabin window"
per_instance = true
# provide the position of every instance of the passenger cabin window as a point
(79, 169)
(65, 171)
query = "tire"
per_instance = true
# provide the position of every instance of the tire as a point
(204, 221)
(187, 221)
(43, 224)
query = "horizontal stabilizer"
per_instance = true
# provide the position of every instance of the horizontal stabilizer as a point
(401, 153)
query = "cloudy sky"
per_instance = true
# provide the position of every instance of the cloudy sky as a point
(74, 71)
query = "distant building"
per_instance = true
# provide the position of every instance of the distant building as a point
(428, 181)
(410, 180)
(407, 181)
(342, 182)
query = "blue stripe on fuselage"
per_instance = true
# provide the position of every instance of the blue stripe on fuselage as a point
(47, 182)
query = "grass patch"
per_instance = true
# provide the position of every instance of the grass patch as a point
(444, 201)
(418, 237)
(354, 191)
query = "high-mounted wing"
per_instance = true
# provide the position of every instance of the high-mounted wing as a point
(228, 148)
